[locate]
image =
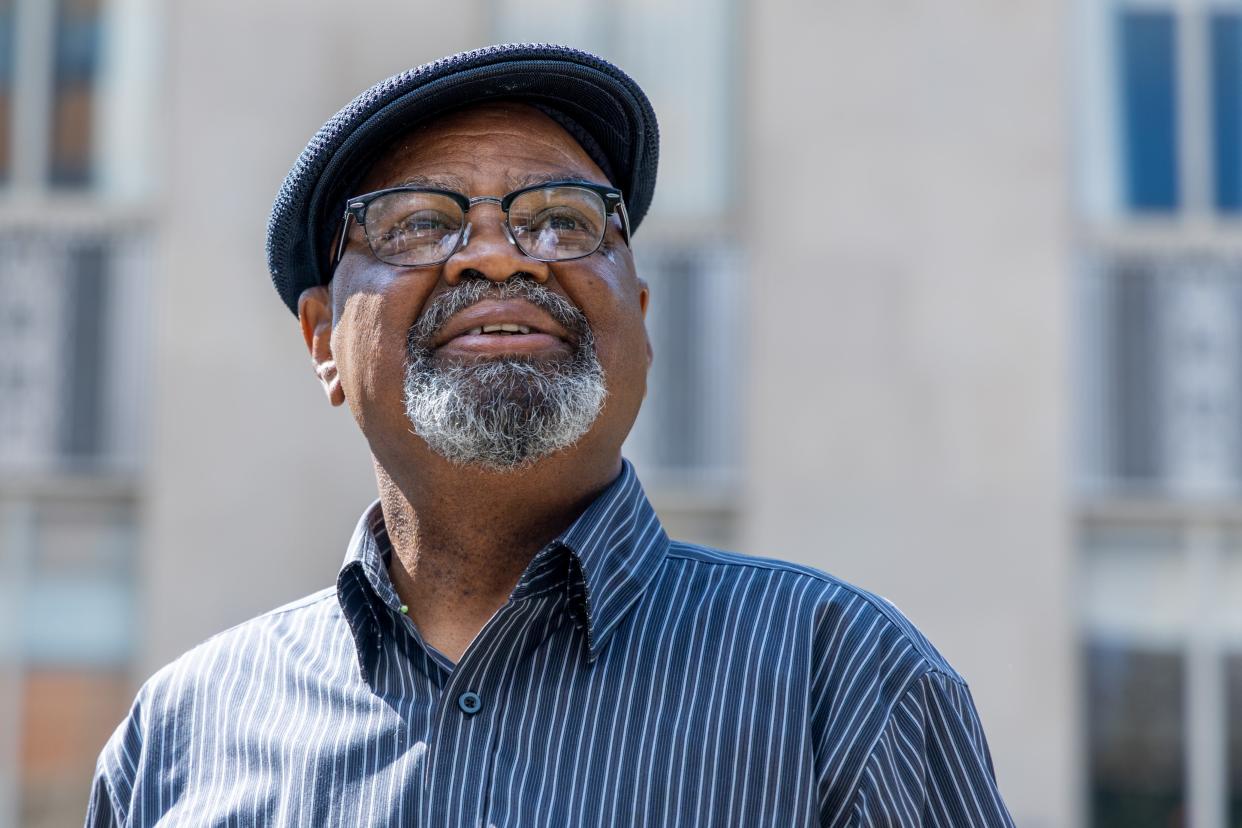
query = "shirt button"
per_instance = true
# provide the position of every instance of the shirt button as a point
(470, 703)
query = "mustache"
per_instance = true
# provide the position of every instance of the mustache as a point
(472, 291)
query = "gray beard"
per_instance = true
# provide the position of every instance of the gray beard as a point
(506, 413)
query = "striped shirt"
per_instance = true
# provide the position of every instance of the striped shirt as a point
(628, 680)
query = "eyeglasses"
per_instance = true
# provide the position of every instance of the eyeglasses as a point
(420, 227)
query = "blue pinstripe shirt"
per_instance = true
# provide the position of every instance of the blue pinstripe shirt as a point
(629, 680)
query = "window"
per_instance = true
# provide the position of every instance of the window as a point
(1158, 398)
(1160, 117)
(1164, 373)
(77, 80)
(70, 354)
(1163, 668)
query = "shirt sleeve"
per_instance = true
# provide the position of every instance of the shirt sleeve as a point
(931, 765)
(99, 810)
(113, 785)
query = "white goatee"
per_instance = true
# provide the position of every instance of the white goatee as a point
(506, 413)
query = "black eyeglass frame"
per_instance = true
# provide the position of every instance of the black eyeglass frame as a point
(356, 209)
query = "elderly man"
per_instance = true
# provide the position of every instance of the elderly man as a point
(512, 639)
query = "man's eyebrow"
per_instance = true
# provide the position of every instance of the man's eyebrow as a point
(445, 182)
(517, 182)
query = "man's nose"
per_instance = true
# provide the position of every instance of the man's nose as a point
(488, 250)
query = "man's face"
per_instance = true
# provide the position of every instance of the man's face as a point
(406, 341)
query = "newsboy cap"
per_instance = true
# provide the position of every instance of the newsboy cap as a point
(597, 103)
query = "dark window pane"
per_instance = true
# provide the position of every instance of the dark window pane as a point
(87, 295)
(1148, 78)
(1226, 56)
(1135, 375)
(1136, 730)
(73, 106)
(1233, 700)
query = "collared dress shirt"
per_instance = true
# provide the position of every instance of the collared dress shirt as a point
(628, 680)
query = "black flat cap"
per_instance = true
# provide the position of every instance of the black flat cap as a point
(597, 103)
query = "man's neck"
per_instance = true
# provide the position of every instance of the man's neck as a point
(462, 538)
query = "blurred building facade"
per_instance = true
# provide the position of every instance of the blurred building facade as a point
(77, 242)
(947, 301)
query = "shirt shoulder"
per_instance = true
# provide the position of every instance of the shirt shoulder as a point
(839, 611)
(872, 681)
(307, 618)
(169, 711)
(258, 646)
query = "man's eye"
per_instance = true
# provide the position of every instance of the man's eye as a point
(560, 219)
(421, 224)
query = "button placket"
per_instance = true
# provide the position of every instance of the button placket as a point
(464, 742)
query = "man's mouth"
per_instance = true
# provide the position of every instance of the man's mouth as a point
(502, 326)
(504, 330)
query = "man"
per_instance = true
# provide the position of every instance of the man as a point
(513, 640)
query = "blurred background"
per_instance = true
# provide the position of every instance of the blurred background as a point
(947, 301)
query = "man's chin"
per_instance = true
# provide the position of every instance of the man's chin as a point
(502, 412)
(519, 402)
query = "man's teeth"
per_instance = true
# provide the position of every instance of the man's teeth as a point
(506, 328)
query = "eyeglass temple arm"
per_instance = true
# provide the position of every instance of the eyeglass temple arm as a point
(625, 221)
(340, 247)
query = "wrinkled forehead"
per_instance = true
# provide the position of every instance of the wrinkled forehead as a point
(533, 141)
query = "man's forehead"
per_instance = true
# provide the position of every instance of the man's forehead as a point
(545, 150)
(514, 180)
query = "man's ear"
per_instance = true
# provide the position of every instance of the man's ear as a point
(644, 297)
(315, 316)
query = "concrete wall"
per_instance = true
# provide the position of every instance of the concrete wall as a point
(908, 167)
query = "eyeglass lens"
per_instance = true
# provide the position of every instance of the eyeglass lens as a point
(411, 228)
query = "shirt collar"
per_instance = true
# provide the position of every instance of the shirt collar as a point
(362, 582)
(614, 549)
(616, 546)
